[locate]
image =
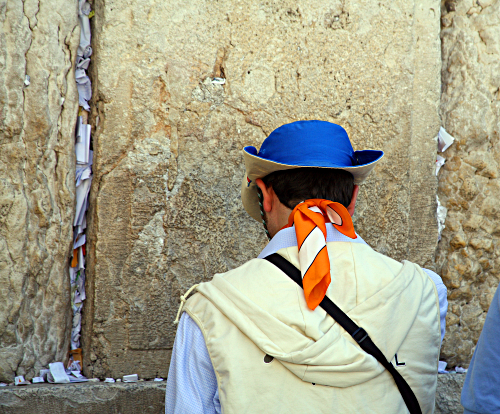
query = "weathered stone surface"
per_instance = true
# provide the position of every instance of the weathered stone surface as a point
(468, 255)
(87, 398)
(39, 39)
(448, 394)
(166, 211)
(147, 397)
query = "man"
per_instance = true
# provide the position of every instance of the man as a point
(252, 341)
(480, 394)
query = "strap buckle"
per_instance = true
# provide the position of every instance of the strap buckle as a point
(360, 333)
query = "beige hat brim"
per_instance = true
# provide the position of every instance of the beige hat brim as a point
(257, 167)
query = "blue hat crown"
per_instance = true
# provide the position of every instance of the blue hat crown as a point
(308, 143)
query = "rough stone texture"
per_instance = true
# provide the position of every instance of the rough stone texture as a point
(468, 256)
(37, 38)
(448, 394)
(147, 397)
(97, 398)
(165, 207)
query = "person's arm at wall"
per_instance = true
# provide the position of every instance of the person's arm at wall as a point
(191, 383)
(481, 391)
(443, 298)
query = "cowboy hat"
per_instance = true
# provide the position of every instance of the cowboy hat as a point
(302, 144)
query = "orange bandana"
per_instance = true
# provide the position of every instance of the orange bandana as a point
(309, 218)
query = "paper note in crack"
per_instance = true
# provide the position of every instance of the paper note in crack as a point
(82, 193)
(84, 87)
(20, 380)
(79, 242)
(80, 295)
(82, 63)
(77, 321)
(84, 34)
(441, 217)
(82, 144)
(81, 259)
(58, 373)
(81, 227)
(84, 171)
(76, 376)
(444, 140)
(439, 163)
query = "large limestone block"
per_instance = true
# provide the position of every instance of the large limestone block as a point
(468, 254)
(147, 397)
(165, 207)
(85, 398)
(39, 39)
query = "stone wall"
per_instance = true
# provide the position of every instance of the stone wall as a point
(468, 256)
(36, 181)
(165, 205)
(165, 208)
(146, 397)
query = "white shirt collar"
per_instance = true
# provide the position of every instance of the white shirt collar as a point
(287, 238)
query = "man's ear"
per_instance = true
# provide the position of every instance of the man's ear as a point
(267, 195)
(354, 197)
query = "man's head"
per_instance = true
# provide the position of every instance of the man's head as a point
(283, 190)
(325, 154)
(297, 185)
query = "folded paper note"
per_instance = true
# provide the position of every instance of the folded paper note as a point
(444, 140)
(57, 373)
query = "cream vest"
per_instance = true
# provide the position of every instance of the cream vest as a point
(256, 313)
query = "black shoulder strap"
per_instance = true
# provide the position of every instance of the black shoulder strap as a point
(358, 333)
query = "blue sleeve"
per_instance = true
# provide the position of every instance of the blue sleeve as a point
(191, 383)
(480, 393)
(443, 298)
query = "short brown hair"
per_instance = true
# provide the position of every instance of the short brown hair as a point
(299, 184)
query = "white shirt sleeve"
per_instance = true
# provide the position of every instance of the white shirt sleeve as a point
(191, 383)
(443, 298)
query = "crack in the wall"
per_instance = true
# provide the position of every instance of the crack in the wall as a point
(33, 22)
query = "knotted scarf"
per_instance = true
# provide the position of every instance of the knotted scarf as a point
(310, 218)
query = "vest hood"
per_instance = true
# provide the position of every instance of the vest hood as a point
(379, 294)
